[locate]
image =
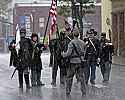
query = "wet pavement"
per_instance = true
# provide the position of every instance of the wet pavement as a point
(9, 90)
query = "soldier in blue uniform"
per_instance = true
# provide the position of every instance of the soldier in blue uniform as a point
(92, 53)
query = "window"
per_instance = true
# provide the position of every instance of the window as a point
(41, 22)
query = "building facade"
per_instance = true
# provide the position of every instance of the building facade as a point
(93, 16)
(118, 26)
(33, 17)
(106, 10)
(5, 23)
(113, 17)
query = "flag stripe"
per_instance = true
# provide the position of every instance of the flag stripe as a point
(53, 13)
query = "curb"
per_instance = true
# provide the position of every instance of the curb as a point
(118, 64)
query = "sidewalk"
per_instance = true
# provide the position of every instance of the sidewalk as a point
(118, 60)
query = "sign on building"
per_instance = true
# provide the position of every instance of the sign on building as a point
(26, 23)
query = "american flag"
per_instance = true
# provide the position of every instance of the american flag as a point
(53, 14)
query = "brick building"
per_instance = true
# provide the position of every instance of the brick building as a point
(33, 17)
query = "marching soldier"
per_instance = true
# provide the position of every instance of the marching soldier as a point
(64, 41)
(57, 63)
(21, 60)
(24, 58)
(36, 64)
(105, 54)
(92, 52)
(75, 63)
(67, 37)
(58, 46)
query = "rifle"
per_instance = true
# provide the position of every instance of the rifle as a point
(13, 73)
(74, 24)
(18, 63)
(59, 43)
(15, 69)
(34, 47)
(13, 57)
(110, 39)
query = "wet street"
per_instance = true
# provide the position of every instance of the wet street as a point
(9, 90)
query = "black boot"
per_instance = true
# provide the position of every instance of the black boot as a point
(26, 76)
(54, 74)
(39, 83)
(53, 83)
(20, 76)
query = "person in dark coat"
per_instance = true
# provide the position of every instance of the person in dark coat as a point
(21, 59)
(57, 63)
(75, 51)
(105, 54)
(36, 63)
(92, 53)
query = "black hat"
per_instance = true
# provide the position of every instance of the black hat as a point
(13, 41)
(22, 30)
(103, 34)
(89, 32)
(92, 30)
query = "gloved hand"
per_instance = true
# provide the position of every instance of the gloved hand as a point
(98, 61)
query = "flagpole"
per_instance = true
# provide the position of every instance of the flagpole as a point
(46, 28)
(47, 25)
(50, 13)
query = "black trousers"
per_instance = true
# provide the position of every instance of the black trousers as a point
(23, 73)
(57, 63)
(75, 69)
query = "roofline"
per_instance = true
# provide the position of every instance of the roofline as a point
(42, 4)
(32, 4)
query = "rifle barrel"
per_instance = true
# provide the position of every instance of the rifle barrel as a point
(13, 73)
